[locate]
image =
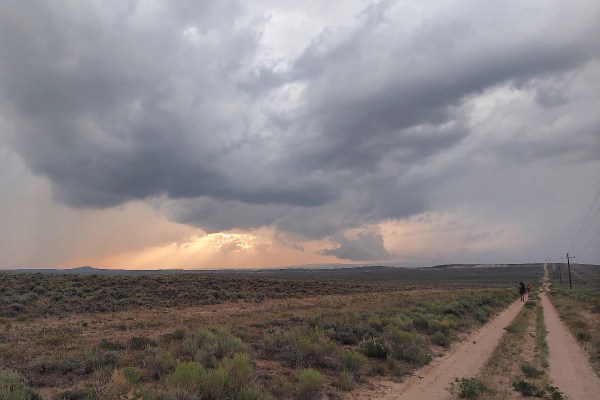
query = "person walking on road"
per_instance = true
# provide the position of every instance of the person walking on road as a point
(522, 290)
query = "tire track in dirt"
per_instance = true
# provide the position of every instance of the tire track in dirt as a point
(463, 360)
(570, 369)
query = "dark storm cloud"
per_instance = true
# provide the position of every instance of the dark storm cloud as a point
(366, 246)
(117, 101)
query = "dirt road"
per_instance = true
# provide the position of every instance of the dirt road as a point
(464, 360)
(569, 366)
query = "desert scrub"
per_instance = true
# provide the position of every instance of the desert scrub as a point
(469, 388)
(375, 347)
(440, 338)
(186, 376)
(527, 388)
(45, 365)
(216, 344)
(530, 371)
(14, 387)
(158, 361)
(301, 348)
(353, 361)
(227, 380)
(59, 294)
(407, 346)
(310, 384)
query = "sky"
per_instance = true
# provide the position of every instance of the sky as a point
(244, 134)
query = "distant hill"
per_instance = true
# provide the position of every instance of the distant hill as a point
(333, 271)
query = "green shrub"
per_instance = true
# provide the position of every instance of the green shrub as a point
(140, 342)
(187, 376)
(13, 387)
(583, 336)
(252, 394)
(189, 346)
(43, 365)
(530, 371)
(374, 347)
(527, 388)
(179, 334)
(132, 375)
(441, 339)
(310, 383)
(92, 361)
(470, 388)
(213, 383)
(111, 345)
(111, 358)
(346, 380)
(555, 394)
(407, 346)
(214, 345)
(353, 361)
(313, 349)
(159, 361)
(238, 370)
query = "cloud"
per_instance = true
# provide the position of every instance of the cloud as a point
(185, 106)
(366, 245)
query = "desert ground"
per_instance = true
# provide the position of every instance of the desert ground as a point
(369, 333)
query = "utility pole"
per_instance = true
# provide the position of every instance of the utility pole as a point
(569, 264)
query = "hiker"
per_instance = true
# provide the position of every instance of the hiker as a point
(522, 290)
(528, 288)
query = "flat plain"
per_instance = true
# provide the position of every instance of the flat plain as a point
(281, 334)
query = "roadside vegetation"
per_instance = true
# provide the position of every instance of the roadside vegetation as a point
(292, 345)
(579, 307)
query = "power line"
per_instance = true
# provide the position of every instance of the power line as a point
(585, 219)
(590, 242)
(590, 222)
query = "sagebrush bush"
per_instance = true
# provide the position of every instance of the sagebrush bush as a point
(44, 365)
(159, 361)
(530, 371)
(527, 388)
(353, 361)
(140, 342)
(14, 387)
(374, 347)
(239, 371)
(441, 339)
(346, 380)
(111, 358)
(313, 349)
(407, 346)
(213, 383)
(107, 344)
(216, 344)
(187, 376)
(470, 388)
(310, 383)
(133, 375)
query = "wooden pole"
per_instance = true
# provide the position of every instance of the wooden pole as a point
(569, 264)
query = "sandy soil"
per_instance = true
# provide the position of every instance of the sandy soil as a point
(569, 369)
(464, 360)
